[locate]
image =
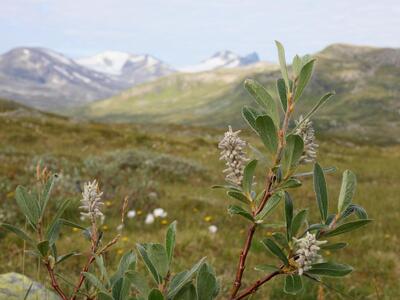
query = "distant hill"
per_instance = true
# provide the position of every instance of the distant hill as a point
(366, 81)
(128, 68)
(46, 79)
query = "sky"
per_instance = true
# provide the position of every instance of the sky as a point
(184, 32)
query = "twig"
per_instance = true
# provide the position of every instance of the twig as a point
(254, 287)
(88, 263)
(242, 261)
(54, 282)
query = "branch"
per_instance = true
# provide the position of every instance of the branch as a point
(88, 263)
(54, 282)
(254, 287)
(242, 261)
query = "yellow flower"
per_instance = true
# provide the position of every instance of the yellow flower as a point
(75, 229)
(139, 212)
(108, 203)
(125, 239)
(269, 233)
(164, 222)
(105, 227)
(208, 219)
(120, 251)
(327, 252)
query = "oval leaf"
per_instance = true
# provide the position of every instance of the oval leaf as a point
(347, 190)
(275, 250)
(267, 132)
(321, 191)
(330, 269)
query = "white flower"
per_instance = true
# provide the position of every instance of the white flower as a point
(159, 213)
(307, 251)
(149, 219)
(82, 218)
(131, 214)
(233, 153)
(306, 132)
(91, 202)
(212, 229)
(120, 227)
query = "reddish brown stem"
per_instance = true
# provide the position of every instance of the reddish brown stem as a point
(54, 282)
(82, 276)
(254, 287)
(242, 260)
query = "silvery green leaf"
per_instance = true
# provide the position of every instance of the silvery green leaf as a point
(298, 220)
(282, 63)
(293, 284)
(317, 106)
(248, 175)
(170, 241)
(250, 115)
(142, 248)
(346, 227)
(270, 205)
(330, 269)
(178, 282)
(20, 233)
(321, 191)
(304, 77)
(275, 250)
(292, 153)
(282, 92)
(155, 294)
(263, 99)
(239, 196)
(28, 205)
(335, 246)
(237, 210)
(206, 284)
(267, 132)
(288, 215)
(347, 190)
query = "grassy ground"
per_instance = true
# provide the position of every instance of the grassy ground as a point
(122, 157)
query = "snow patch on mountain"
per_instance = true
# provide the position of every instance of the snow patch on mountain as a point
(222, 59)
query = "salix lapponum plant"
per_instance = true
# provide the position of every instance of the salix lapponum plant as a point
(97, 280)
(288, 144)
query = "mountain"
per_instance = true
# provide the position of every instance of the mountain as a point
(46, 79)
(223, 60)
(366, 81)
(128, 68)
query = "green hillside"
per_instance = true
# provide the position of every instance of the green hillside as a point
(179, 164)
(366, 81)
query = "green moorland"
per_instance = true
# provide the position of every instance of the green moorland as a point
(366, 106)
(173, 167)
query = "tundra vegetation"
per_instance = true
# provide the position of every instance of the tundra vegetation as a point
(292, 241)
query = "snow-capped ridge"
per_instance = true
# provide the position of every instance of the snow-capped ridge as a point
(127, 67)
(223, 59)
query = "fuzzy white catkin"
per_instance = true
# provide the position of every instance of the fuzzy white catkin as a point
(233, 153)
(307, 133)
(307, 252)
(91, 200)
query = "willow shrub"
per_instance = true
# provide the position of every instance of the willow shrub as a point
(296, 246)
